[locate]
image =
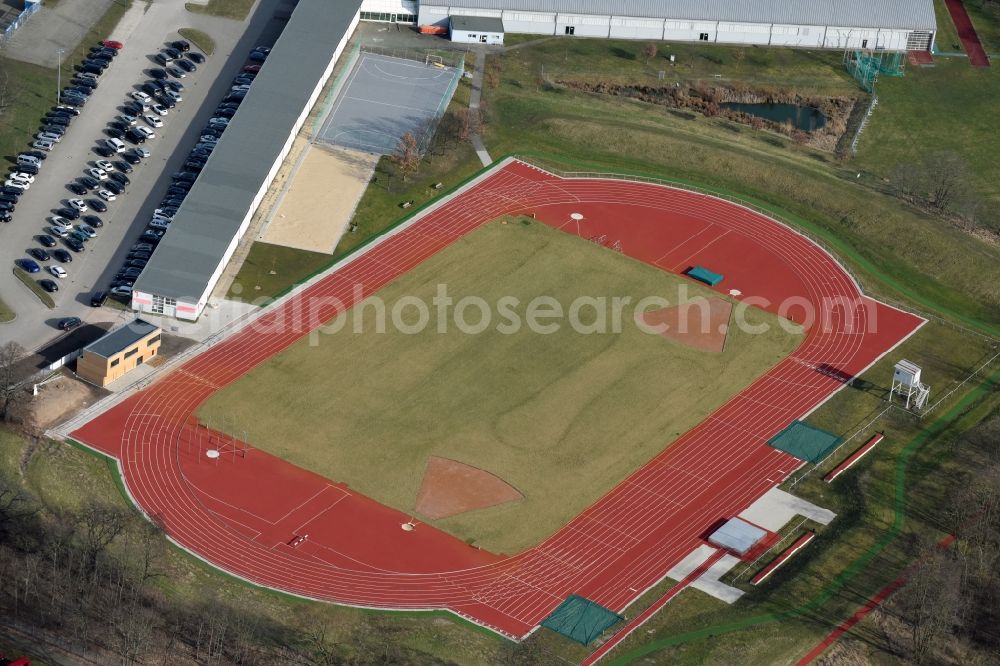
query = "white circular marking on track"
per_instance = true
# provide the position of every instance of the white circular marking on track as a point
(212, 453)
(735, 292)
(576, 216)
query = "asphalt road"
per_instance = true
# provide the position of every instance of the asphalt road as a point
(144, 30)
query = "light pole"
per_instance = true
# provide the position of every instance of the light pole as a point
(59, 55)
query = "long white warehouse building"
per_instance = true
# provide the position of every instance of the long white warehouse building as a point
(892, 25)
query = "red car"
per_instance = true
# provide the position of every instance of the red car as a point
(112, 44)
(252, 68)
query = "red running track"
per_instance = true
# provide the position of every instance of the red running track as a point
(243, 514)
(967, 33)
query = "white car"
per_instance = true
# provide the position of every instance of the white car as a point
(146, 132)
(61, 232)
(107, 195)
(90, 231)
(58, 271)
(48, 136)
(126, 120)
(159, 109)
(122, 291)
(104, 165)
(23, 177)
(61, 222)
(208, 138)
(79, 204)
(42, 144)
(154, 121)
(18, 184)
(99, 174)
(116, 145)
(159, 223)
(176, 96)
(142, 152)
(141, 97)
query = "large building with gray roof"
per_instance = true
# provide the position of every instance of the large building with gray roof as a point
(891, 25)
(188, 262)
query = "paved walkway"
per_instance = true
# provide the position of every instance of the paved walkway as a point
(52, 28)
(474, 98)
(967, 33)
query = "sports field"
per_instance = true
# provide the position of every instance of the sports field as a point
(561, 417)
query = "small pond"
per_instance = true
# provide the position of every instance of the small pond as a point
(807, 118)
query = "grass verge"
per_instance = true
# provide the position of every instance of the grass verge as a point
(593, 403)
(231, 9)
(270, 269)
(6, 314)
(36, 289)
(198, 38)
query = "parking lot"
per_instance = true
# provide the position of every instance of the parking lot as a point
(129, 214)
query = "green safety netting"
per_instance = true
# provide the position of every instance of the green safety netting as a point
(805, 442)
(581, 619)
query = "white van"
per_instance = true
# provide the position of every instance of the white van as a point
(29, 159)
(116, 145)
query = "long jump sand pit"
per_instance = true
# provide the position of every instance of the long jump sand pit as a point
(320, 199)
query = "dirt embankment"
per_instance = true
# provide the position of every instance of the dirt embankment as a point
(707, 100)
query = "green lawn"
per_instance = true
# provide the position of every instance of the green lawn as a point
(947, 36)
(232, 9)
(986, 20)
(524, 406)
(201, 40)
(270, 269)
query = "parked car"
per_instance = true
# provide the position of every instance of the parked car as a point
(122, 292)
(27, 265)
(104, 151)
(196, 57)
(98, 205)
(73, 244)
(49, 286)
(98, 173)
(39, 254)
(181, 45)
(62, 256)
(68, 213)
(77, 188)
(146, 132)
(98, 299)
(57, 271)
(93, 221)
(176, 72)
(107, 195)
(153, 120)
(114, 133)
(115, 144)
(43, 144)
(69, 323)
(119, 177)
(113, 44)
(131, 158)
(186, 65)
(79, 204)
(158, 73)
(114, 187)
(124, 167)
(141, 97)
(88, 182)
(46, 240)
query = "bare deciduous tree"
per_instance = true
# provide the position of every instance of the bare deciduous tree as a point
(99, 525)
(649, 51)
(10, 389)
(406, 156)
(739, 55)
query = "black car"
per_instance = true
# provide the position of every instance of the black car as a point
(118, 125)
(181, 45)
(142, 247)
(98, 205)
(85, 83)
(13, 191)
(165, 101)
(48, 285)
(131, 158)
(133, 109)
(176, 86)
(114, 187)
(181, 186)
(196, 57)
(28, 168)
(9, 198)
(135, 137)
(46, 240)
(162, 59)
(89, 183)
(58, 120)
(58, 130)
(69, 322)
(149, 237)
(137, 263)
(225, 113)
(195, 165)
(172, 52)
(158, 73)
(73, 244)
(150, 88)
(90, 69)
(185, 175)
(186, 65)
(114, 132)
(5, 216)
(77, 188)
(68, 213)
(104, 151)
(39, 254)
(93, 221)
(82, 90)
(140, 255)
(124, 167)
(75, 101)
(174, 202)
(66, 109)
(62, 256)
(98, 299)
(121, 178)
(7, 207)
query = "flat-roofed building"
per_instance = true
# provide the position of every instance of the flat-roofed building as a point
(108, 358)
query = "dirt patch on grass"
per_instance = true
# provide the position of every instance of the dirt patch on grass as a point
(58, 400)
(701, 323)
(450, 488)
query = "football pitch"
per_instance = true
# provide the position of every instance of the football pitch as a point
(560, 415)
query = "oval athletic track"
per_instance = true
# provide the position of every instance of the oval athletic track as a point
(245, 514)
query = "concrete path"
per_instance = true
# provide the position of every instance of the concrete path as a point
(474, 98)
(54, 28)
